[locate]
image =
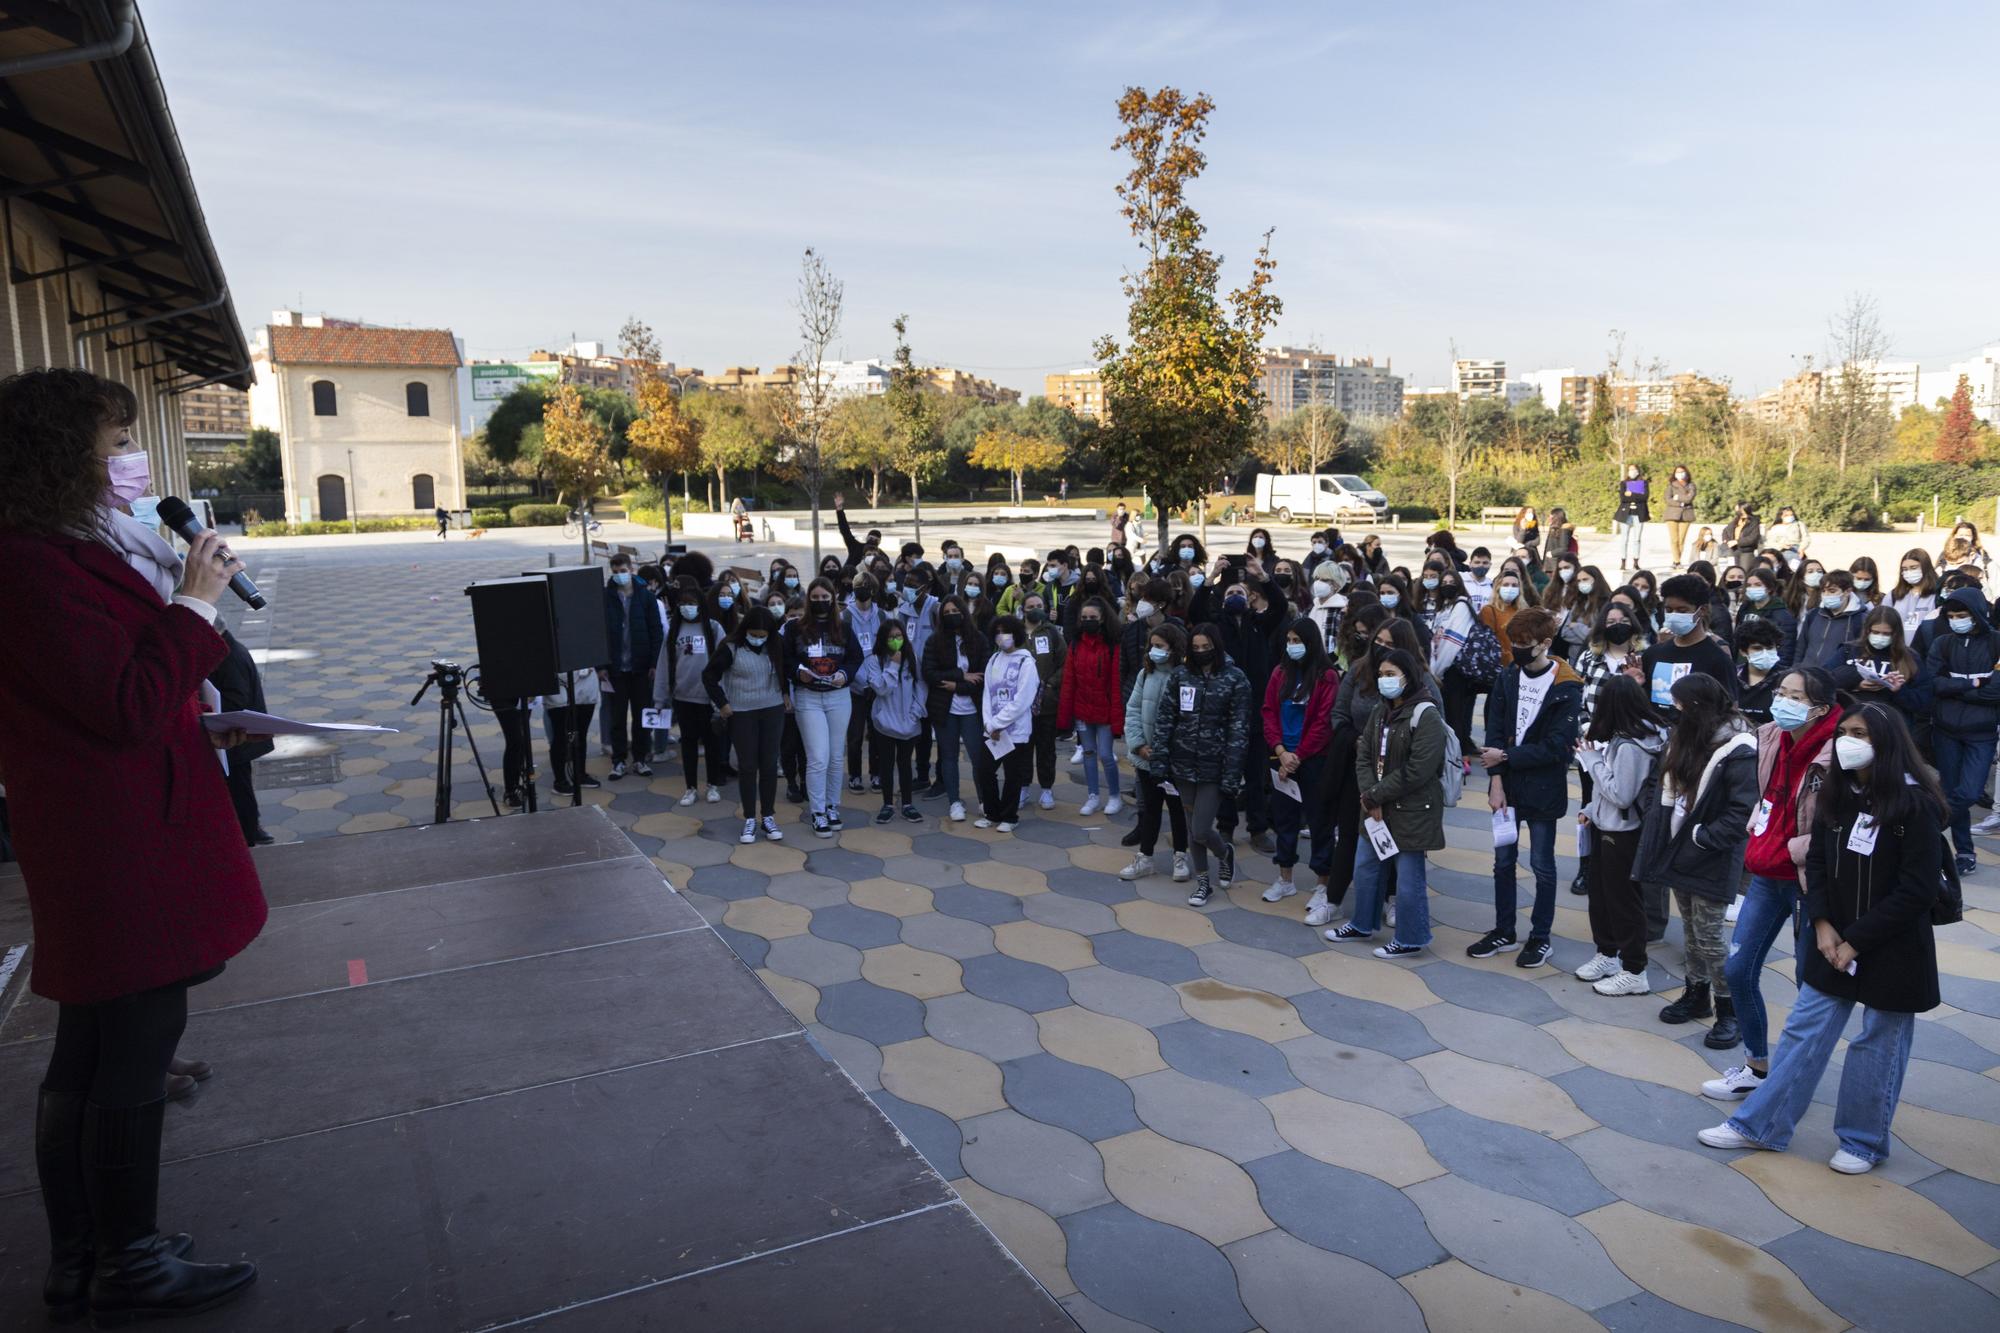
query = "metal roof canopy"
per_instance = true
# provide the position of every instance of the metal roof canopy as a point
(86, 137)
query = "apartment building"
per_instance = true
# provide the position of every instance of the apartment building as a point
(1296, 377)
(1080, 390)
(1479, 379)
(215, 420)
(964, 384)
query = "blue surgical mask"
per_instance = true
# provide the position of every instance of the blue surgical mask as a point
(1813, 576)
(1832, 600)
(1390, 597)
(1790, 714)
(1390, 687)
(998, 580)
(755, 640)
(623, 578)
(1763, 658)
(1756, 592)
(1960, 624)
(1509, 593)
(1680, 623)
(953, 563)
(1157, 656)
(1196, 579)
(791, 580)
(973, 590)
(689, 611)
(725, 602)
(1187, 552)
(1295, 651)
(1863, 584)
(909, 594)
(890, 586)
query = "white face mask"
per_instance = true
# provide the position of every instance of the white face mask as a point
(1878, 641)
(1913, 577)
(1143, 609)
(1853, 753)
(1256, 543)
(1509, 593)
(1813, 577)
(1586, 586)
(1322, 590)
(1566, 575)
(1004, 642)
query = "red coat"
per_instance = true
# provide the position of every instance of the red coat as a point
(136, 871)
(1319, 712)
(1090, 687)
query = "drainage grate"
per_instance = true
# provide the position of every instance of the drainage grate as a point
(298, 770)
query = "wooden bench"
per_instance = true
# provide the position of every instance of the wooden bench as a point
(1497, 516)
(600, 547)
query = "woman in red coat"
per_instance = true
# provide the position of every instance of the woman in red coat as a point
(137, 875)
(1298, 727)
(1091, 698)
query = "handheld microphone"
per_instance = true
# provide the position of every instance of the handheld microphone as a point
(175, 513)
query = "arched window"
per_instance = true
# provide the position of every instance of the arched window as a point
(324, 404)
(418, 395)
(332, 499)
(423, 491)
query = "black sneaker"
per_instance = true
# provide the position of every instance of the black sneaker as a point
(588, 781)
(820, 829)
(934, 792)
(1130, 840)
(643, 769)
(1492, 942)
(1967, 863)
(1225, 866)
(561, 790)
(914, 815)
(796, 795)
(1201, 892)
(1534, 954)
(833, 819)
(874, 784)
(854, 784)
(885, 814)
(617, 771)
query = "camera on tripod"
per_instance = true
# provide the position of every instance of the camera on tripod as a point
(447, 674)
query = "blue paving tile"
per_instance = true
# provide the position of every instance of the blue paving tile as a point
(731, 883)
(1934, 1041)
(935, 1134)
(968, 903)
(1981, 997)
(948, 848)
(726, 829)
(648, 845)
(1230, 1058)
(839, 863)
(1491, 992)
(871, 1012)
(1024, 985)
(1051, 833)
(1259, 930)
(1364, 1023)
(1647, 1313)
(858, 926)
(1345, 1212)
(1510, 1160)
(922, 870)
(750, 948)
(1874, 1289)
(1974, 1203)
(369, 802)
(1153, 1273)
(1084, 1101)
(1094, 885)
(1643, 1109)
(1144, 956)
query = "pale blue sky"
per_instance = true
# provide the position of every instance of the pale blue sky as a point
(1713, 178)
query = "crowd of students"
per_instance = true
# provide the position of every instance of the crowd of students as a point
(1329, 700)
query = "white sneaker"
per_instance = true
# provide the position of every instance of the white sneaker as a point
(1734, 909)
(1047, 800)
(1320, 912)
(1142, 866)
(958, 811)
(1181, 868)
(1114, 805)
(714, 794)
(1280, 890)
(1076, 757)
(749, 831)
(1598, 968)
(689, 798)
(1848, 1164)
(1722, 1136)
(1004, 826)
(1389, 914)
(982, 822)
(772, 833)
(1736, 1084)
(1090, 806)
(1990, 824)
(1622, 982)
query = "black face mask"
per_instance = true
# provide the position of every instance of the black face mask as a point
(1284, 578)
(952, 621)
(820, 609)
(1202, 657)
(1036, 615)
(1618, 634)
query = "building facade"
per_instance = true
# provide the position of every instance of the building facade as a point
(1479, 379)
(215, 420)
(1080, 390)
(367, 417)
(1982, 375)
(964, 384)
(1292, 378)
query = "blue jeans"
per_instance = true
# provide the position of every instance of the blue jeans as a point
(1962, 768)
(1632, 532)
(1768, 906)
(822, 717)
(956, 731)
(1540, 835)
(1096, 740)
(1413, 904)
(1870, 1084)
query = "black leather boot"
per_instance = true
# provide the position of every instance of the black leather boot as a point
(59, 1163)
(138, 1275)
(1726, 1032)
(1580, 886)
(1692, 1004)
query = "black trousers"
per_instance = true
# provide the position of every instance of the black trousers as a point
(1333, 857)
(860, 729)
(1459, 694)
(243, 795)
(999, 782)
(116, 1052)
(921, 753)
(1287, 814)
(1044, 745)
(563, 726)
(699, 731)
(758, 735)
(630, 695)
(1151, 801)
(517, 754)
(1617, 917)
(889, 758)
(1253, 804)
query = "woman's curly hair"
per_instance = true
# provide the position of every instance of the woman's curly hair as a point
(50, 479)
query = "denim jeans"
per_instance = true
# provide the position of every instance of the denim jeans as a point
(954, 732)
(1768, 906)
(1096, 740)
(1631, 534)
(822, 716)
(1962, 766)
(1540, 835)
(1413, 904)
(1870, 1084)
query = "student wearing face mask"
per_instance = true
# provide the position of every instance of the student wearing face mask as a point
(865, 617)
(1252, 610)
(746, 684)
(897, 701)
(1744, 533)
(1868, 588)
(1201, 745)
(1757, 643)
(954, 672)
(1512, 594)
(1915, 597)
(821, 659)
(1686, 646)
(1051, 649)
(1583, 595)
(1763, 600)
(1617, 755)
(632, 645)
(1329, 601)
(1962, 663)
(1879, 667)
(1166, 648)
(1298, 723)
(1802, 592)
(1089, 701)
(1151, 599)
(1833, 623)
(1393, 591)
(1318, 551)
(678, 683)
(1009, 690)
(1679, 512)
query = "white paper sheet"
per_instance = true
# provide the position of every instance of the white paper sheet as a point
(1284, 786)
(1380, 839)
(1506, 830)
(265, 724)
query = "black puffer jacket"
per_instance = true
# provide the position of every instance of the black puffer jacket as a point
(1705, 856)
(1880, 904)
(1203, 731)
(1965, 684)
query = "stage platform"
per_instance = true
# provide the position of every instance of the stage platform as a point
(499, 1074)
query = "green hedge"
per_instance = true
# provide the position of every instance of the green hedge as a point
(537, 515)
(491, 518)
(322, 529)
(651, 516)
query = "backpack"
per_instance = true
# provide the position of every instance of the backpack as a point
(1453, 775)
(1948, 908)
(1479, 660)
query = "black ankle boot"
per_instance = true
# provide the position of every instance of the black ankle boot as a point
(138, 1275)
(59, 1163)
(1692, 1004)
(1726, 1033)
(1580, 886)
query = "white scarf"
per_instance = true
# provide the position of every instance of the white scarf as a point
(146, 551)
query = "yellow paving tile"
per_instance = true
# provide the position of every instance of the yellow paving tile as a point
(1457, 1298)
(1085, 1037)
(1021, 881)
(374, 822)
(1180, 925)
(1501, 1092)
(1190, 1188)
(1108, 860)
(1030, 1234)
(772, 858)
(1867, 1210)
(667, 824)
(1970, 1147)
(872, 841)
(1249, 895)
(1051, 946)
(1348, 1134)
(676, 873)
(1707, 1272)
(769, 917)
(1630, 1053)
(1965, 960)
(890, 895)
(1987, 921)
(1254, 1013)
(944, 1078)
(913, 971)
(1368, 978)
(801, 997)
(325, 798)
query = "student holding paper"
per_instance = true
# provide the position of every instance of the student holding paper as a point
(1399, 768)
(1617, 755)
(1298, 724)
(1000, 765)
(1201, 741)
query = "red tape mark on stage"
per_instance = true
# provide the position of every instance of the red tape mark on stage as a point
(357, 972)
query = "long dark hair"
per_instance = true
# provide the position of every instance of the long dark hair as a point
(1899, 780)
(1302, 676)
(1174, 637)
(1211, 631)
(1415, 674)
(907, 655)
(50, 478)
(1106, 620)
(836, 620)
(1623, 708)
(1705, 708)
(757, 620)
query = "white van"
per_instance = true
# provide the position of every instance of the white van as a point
(1327, 495)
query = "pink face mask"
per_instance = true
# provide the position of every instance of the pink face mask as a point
(131, 474)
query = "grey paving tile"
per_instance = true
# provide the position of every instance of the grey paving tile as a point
(1878, 1290)
(1345, 1212)
(1037, 855)
(696, 853)
(1206, 1115)
(921, 870)
(1974, 1203)
(1228, 1058)
(1254, 969)
(1642, 1109)
(809, 958)
(1647, 1313)
(1087, 1102)
(1094, 1318)
(730, 883)
(1981, 1030)
(1050, 833)
(752, 949)
(807, 889)
(1292, 1287)
(1690, 1184)
(873, 1013)
(1490, 992)
(1511, 1160)
(1981, 997)
(1814, 1139)
(1926, 1083)
(1364, 1023)
(861, 1060)
(1987, 1278)
(1159, 1275)
(369, 802)
(712, 909)
(1092, 885)
(954, 937)
(999, 1032)
(932, 1133)
(1051, 1168)
(1144, 956)
(1258, 930)
(1067, 913)
(1024, 985)
(840, 863)
(858, 926)
(1136, 999)
(948, 848)
(1358, 1074)
(1495, 1038)
(1519, 1241)
(987, 906)
(311, 823)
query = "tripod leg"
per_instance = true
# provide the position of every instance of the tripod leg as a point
(441, 807)
(477, 762)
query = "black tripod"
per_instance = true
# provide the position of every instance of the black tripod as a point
(449, 677)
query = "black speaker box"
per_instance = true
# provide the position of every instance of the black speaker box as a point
(577, 598)
(516, 634)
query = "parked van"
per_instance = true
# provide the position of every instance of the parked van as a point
(1327, 495)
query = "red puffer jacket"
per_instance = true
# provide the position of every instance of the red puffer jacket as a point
(136, 871)
(1090, 690)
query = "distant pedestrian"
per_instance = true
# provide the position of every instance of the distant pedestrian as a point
(444, 521)
(1062, 489)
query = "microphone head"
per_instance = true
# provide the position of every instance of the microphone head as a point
(174, 512)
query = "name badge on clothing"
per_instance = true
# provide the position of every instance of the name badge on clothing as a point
(1861, 840)
(1041, 643)
(1761, 818)
(694, 645)
(1187, 698)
